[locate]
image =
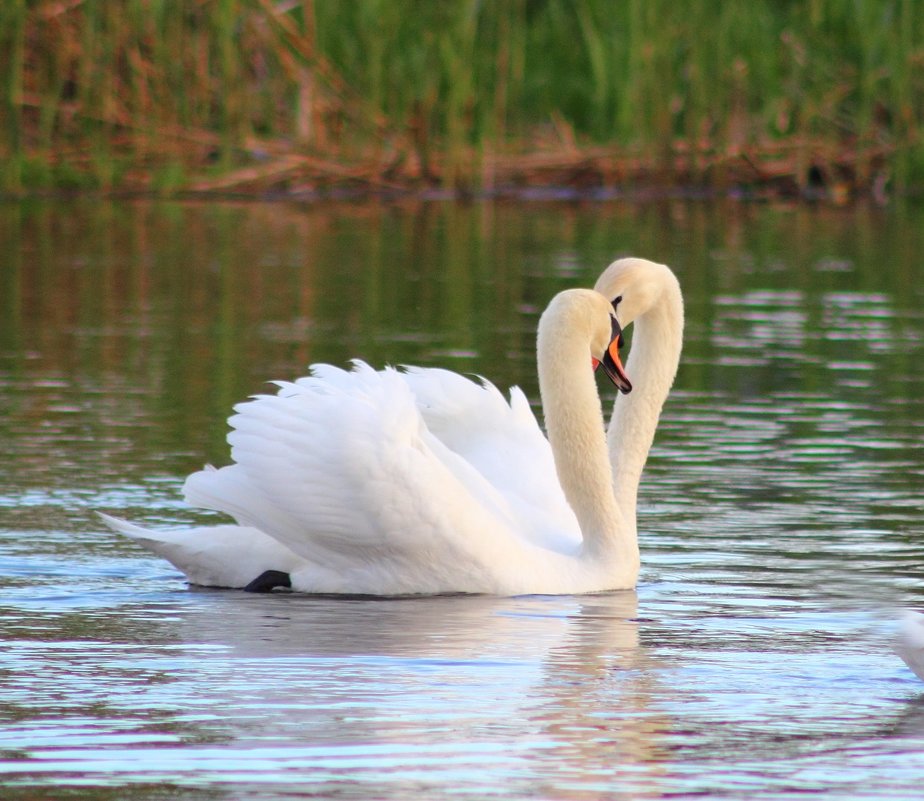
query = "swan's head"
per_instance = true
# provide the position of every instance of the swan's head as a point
(640, 284)
(584, 317)
(611, 361)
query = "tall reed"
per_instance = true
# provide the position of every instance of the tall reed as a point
(157, 94)
(12, 55)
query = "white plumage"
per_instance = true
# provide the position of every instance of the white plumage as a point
(422, 481)
(910, 645)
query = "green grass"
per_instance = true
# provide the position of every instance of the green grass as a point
(145, 92)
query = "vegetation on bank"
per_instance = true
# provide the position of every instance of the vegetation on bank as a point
(303, 96)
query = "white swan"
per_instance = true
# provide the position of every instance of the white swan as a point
(910, 644)
(424, 482)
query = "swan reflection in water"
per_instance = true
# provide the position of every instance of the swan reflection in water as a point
(404, 676)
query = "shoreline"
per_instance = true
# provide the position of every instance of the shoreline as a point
(811, 172)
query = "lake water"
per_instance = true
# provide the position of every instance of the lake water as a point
(780, 515)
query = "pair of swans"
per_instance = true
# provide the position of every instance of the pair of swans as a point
(422, 481)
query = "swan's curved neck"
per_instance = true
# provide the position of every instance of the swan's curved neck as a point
(600, 472)
(574, 424)
(656, 342)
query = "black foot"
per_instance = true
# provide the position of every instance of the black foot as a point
(268, 580)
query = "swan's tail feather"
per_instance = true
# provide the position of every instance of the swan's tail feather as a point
(212, 556)
(122, 526)
(167, 544)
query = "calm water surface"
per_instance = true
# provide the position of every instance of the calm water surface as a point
(780, 518)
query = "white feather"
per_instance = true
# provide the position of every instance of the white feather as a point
(910, 645)
(213, 556)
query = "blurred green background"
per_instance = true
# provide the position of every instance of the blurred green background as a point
(302, 96)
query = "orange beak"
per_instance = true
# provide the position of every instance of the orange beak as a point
(612, 364)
